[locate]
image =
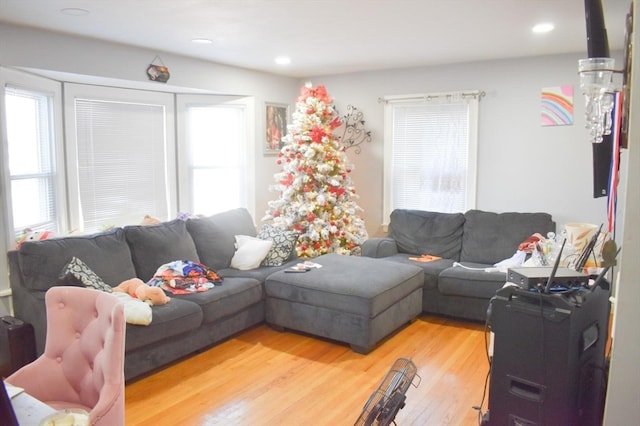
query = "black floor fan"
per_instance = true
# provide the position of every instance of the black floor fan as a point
(385, 402)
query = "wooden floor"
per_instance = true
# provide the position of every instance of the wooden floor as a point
(265, 377)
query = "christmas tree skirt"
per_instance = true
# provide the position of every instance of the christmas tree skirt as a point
(352, 299)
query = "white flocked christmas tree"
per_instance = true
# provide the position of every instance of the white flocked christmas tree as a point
(317, 196)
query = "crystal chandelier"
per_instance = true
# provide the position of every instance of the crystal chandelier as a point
(596, 76)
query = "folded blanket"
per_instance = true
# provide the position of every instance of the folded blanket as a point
(185, 277)
(135, 310)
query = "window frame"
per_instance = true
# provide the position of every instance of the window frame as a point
(52, 89)
(472, 98)
(185, 171)
(116, 94)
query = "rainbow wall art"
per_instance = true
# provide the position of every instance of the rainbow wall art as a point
(557, 106)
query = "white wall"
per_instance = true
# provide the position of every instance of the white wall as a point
(622, 406)
(32, 48)
(522, 165)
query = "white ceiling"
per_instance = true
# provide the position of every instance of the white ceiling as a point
(328, 36)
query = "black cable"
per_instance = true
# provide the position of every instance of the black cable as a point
(484, 394)
(543, 357)
(486, 351)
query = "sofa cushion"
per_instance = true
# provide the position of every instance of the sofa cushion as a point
(176, 318)
(234, 295)
(431, 270)
(153, 246)
(424, 232)
(491, 237)
(107, 254)
(214, 236)
(470, 281)
(355, 285)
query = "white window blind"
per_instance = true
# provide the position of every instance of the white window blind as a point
(124, 169)
(430, 152)
(32, 160)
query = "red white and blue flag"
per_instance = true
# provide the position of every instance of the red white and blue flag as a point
(612, 193)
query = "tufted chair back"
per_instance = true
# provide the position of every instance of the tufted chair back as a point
(83, 361)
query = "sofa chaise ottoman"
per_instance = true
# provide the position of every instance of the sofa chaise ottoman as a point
(351, 299)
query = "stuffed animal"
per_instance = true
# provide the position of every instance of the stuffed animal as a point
(135, 287)
(29, 235)
(149, 220)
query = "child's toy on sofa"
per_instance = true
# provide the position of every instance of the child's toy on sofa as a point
(135, 287)
(30, 235)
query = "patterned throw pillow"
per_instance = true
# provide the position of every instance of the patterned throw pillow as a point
(76, 272)
(284, 242)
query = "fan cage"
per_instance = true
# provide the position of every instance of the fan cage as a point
(385, 402)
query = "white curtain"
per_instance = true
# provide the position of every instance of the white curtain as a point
(430, 149)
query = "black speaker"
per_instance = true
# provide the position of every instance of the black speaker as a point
(17, 345)
(548, 365)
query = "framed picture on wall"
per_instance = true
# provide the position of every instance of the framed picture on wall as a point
(276, 119)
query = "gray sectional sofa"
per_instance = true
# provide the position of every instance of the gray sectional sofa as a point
(462, 282)
(193, 322)
(186, 324)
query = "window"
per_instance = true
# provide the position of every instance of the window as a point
(217, 154)
(121, 149)
(31, 159)
(35, 189)
(430, 152)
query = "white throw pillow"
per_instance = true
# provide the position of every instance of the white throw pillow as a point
(250, 251)
(135, 310)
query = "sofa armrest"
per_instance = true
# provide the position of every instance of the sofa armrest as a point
(379, 247)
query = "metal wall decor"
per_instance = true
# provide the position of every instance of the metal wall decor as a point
(351, 132)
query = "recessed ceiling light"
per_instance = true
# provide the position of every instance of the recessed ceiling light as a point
(544, 27)
(201, 41)
(283, 60)
(74, 11)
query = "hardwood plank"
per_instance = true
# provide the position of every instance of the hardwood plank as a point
(266, 377)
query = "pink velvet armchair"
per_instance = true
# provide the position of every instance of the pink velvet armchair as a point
(83, 361)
